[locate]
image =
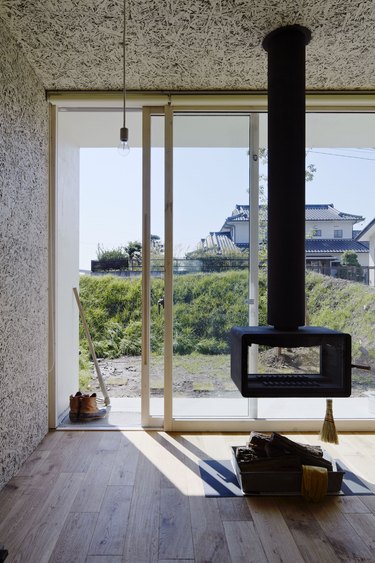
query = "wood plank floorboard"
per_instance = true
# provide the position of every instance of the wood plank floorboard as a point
(369, 501)
(18, 491)
(103, 559)
(74, 540)
(306, 531)
(21, 516)
(277, 539)
(34, 463)
(65, 457)
(39, 543)
(142, 535)
(175, 538)
(175, 560)
(109, 534)
(348, 545)
(110, 441)
(364, 525)
(243, 542)
(88, 446)
(137, 497)
(232, 509)
(208, 531)
(50, 440)
(124, 469)
(94, 486)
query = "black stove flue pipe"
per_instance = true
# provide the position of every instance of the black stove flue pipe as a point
(286, 176)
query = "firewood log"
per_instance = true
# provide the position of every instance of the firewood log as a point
(282, 463)
(310, 455)
(262, 447)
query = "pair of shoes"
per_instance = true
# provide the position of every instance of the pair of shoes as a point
(84, 408)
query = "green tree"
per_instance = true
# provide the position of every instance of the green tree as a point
(134, 249)
(263, 184)
(349, 258)
(350, 268)
(156, 249)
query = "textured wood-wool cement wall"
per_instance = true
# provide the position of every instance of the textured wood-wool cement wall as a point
(24, 258)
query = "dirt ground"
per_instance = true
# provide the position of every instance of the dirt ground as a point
(206, 376)
(193, 376)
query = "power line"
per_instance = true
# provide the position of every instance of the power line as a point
(361, 150)
(341, 155)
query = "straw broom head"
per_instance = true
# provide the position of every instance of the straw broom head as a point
(328, 432)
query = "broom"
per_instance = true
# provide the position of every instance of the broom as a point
(328, 432)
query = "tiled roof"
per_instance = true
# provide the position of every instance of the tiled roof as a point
(222, 242)
(240, 213)
(313, 246)
(326, 212)
(313, 212)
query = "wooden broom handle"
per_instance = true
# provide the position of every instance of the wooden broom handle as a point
(91, 347)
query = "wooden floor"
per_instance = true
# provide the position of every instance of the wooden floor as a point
(111, 497)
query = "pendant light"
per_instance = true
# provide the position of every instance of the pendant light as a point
(124, 148)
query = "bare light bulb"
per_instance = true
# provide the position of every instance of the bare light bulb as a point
(124, 148)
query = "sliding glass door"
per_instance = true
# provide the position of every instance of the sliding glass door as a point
(340, 211)
(210, 271)
(204, 284)
(209, 248)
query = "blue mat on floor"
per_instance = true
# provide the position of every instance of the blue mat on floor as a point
(219, 480)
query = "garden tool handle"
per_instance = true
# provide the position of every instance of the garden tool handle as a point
(91, 347)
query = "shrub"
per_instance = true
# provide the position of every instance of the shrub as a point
(118, 253)
(131, 343)
(212, 346)
(84, 370)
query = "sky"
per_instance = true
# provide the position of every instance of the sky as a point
(208, 183)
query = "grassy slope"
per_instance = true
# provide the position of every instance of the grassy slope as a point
(345, 306)
(208, 305)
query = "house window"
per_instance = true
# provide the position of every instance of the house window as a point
(317, 232)
(337, 233)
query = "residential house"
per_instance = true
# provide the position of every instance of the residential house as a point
(329, 233)
(367, 236)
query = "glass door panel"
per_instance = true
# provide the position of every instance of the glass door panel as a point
(210, 260)
(156, 374)
(153, 268)
(340, 165)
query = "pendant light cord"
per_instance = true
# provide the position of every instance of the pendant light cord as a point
(124, 66)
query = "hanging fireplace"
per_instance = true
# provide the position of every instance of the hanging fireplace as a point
(286, 243)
